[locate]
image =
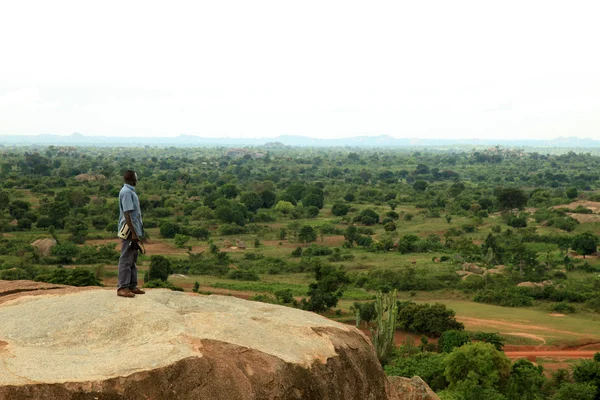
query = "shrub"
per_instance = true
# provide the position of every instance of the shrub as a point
(563, 307)
(243, 275)
(493, 338)
(389, 227)
(231, 229)
(452, 339)
(169, 229)
(340, 209)
(157, 283)
(517, 221)
(160, 268)
(429, 366)
(427, 319)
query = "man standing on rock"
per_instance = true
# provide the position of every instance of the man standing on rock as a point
(131, 233)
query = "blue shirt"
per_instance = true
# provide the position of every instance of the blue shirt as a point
(128, 201)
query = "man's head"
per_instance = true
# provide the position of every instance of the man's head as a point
(130, 177)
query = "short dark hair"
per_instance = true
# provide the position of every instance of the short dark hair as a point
(129, 175)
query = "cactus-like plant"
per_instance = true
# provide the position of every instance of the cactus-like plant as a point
(382, 337)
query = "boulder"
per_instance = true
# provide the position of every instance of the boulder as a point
(89, 178)
(529, 284)
(44, 246)
(87, 343)
(412, 388)
(474, 268)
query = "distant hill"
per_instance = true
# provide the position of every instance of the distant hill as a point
(78, 139)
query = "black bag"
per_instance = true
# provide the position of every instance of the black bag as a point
(137, 246)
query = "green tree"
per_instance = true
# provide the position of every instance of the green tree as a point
(169, 229)
(268, 198)
(584, 244)
(229, 191)
(351, 234)
(573, 391)
(253, 201)
(571, 192)
(65, 253)
(181, 240)
(307, 234)
(452, 339)
(509, 198)
(297, 190)
(327, 290)
(588, 371)
(78, 229)
(475, 369)
(526, 381)
(160, 268)
(4, 200)
(199, 233)
(339, 209)
(420, 185)
(313, 199)
(493, 338)
(284, 207)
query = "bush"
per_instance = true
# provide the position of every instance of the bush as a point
(477, 369)
(160, 268)
(563, 307)
(492, 338)
(340, 209)
(427, 319)
(452, 339)
(231, 229)
(428, 366)
(517, 221)
(160, 284)
(389, 227)
(243, 275)
(73, 277)
(169, 229)
(297, 252)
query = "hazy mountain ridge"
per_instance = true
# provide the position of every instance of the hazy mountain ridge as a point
(77, 139)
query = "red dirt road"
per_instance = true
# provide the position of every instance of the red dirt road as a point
(529, 352)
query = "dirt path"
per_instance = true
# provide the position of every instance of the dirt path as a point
(530, 336)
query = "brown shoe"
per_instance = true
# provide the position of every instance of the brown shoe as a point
(125, 292)
(136, 290)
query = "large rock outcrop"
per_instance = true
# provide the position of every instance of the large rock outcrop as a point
(70, 343)
(412, 389)
(44, 246)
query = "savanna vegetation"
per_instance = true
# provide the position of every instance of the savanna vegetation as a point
(330, 230)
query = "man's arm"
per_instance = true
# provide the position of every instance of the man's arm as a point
(134, 235)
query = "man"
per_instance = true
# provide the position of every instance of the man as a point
(131, 216)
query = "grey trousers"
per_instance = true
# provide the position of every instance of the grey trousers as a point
(127, 266)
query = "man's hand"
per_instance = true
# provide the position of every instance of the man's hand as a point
(135, 237)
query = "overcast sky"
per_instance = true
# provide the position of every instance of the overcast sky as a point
(447, 69)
